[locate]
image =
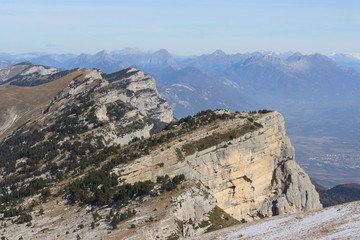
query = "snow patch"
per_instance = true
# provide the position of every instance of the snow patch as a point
(337, 222)
(300, 65)
(183, 86)
(354, 55)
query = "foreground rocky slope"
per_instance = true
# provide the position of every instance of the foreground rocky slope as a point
(337, 222)
(88, 165)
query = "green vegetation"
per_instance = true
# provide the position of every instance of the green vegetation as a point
(116, 110)
(117, 218)
(127, 192)
(99, 188)
(32, 188)
(23, 218)
(218, 219)
(168, 184)
(217, 138)
(95, 188)
(200, 119)
(263, 111)
(66, 148)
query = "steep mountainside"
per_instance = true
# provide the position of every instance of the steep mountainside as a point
(73, 89)
(87, 164)
(140, 91)
(19, 104)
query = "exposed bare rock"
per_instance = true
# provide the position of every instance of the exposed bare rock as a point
(182, 218)
(124, 118)
(251, 177)
(202, 173)
(7, 73)
(140, 91)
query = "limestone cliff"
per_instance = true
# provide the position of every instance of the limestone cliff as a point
(250, 177)
(139, 90)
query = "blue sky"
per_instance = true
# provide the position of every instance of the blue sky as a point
(184, 27)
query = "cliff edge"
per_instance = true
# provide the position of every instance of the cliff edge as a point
(250, 175)
(100, 156)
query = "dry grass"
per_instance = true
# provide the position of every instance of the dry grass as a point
(29, 102)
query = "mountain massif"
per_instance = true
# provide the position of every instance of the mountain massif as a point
(86, 154)
(318, 95)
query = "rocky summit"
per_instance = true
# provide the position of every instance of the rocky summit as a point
(88, 155)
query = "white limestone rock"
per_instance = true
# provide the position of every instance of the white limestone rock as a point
(140, 91)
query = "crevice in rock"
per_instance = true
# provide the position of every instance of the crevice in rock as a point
(274, 208)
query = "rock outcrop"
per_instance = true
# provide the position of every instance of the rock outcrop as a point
(128, 107)
(140, 91)
(250, 177)
(91, 140)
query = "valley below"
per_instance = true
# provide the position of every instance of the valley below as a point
(327, 143)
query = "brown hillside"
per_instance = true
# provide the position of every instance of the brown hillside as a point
(19, 104)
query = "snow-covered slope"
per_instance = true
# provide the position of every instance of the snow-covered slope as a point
(337, 222)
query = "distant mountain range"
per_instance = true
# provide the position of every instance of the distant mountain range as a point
(220, 80)
(307, 89)
(350, 60)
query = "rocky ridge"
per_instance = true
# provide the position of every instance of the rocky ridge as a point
(92, 144)
(249, 177)
(108, 103)
(140, 91)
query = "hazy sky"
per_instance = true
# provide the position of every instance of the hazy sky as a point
(183, 27)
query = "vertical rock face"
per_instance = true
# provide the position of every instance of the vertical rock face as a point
(139, 90)
(193, 203)
(256, 176)
(251, 177)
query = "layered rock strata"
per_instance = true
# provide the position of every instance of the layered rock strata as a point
(251, 177)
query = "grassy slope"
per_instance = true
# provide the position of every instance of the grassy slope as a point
(26, 102)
